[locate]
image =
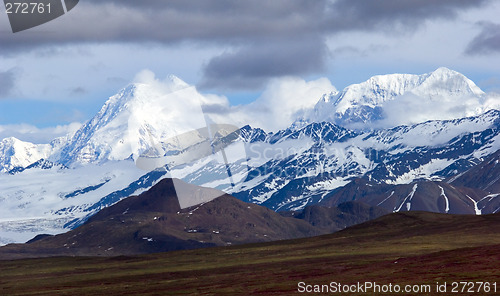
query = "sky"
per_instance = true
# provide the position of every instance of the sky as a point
(255, 53)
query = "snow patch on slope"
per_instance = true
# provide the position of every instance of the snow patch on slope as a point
(423, 172)
(407, 200)
(447, 202)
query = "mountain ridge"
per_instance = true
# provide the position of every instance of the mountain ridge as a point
(124, 127)
(285, 170)
(300, 167)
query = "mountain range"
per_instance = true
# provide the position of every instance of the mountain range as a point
(154, 222)
(340, 150)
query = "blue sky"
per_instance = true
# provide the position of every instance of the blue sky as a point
(63, 71)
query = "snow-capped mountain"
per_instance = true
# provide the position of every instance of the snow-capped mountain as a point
(138, 118)
(304, 170)
(59, 185)
(15, 153)
(370, 101)
(474, 191)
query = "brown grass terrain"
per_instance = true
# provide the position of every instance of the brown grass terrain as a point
(413, 248)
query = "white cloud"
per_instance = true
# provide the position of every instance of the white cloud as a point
(492, 101)
(281, 103)
(411, 109)
(33, 134)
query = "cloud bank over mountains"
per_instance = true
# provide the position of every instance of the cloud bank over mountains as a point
(439, 95)
(262, 39)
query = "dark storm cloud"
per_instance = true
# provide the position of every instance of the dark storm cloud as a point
(7, 80)
(274, 38)
(393, 14)
(252, 65)
(170, 22)
(257, 8)
(487, 42)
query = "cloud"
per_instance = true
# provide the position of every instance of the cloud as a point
(342, 51)
(7, 81)
(392, 15)
(229, 21)
(78, 91)
(171, 22)
(281, 103)
(411, 109)
(251, 66)
(267, 38)
(33, 134)
(487, 41)
(492, 101)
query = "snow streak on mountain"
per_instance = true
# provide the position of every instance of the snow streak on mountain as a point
(323, 157)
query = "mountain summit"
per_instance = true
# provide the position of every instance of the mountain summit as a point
(380, 96)
(15, 153)
(139, 117)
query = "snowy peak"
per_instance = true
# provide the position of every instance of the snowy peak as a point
(142, 116)
(376, 90)
(327, 98)
(176, 82)
(379, 89)
(133, 97)
(446, 82)
(387, 99)
(15, 153)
